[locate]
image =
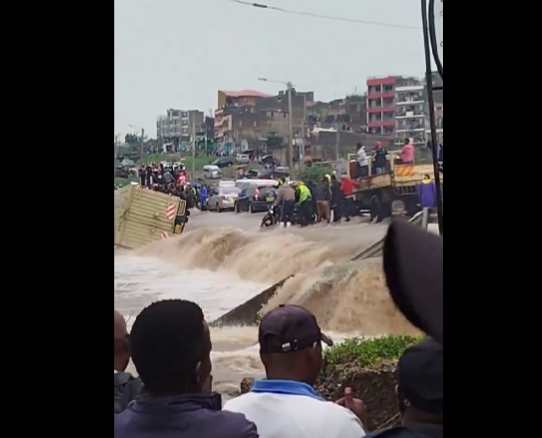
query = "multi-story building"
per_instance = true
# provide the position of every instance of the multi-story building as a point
(410, 114)
(229, 104)
(176, 127)
(381, 105)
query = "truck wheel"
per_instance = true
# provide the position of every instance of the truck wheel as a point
(379, 211)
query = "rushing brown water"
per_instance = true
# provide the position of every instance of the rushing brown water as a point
(221, 261)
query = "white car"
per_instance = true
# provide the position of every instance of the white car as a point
(242, 159)
(127, 163)
(223, 198)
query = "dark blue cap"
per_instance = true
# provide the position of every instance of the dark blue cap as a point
(290, 328)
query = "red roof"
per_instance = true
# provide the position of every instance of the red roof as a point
(245, 93)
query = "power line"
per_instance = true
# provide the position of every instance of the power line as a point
(325, 17)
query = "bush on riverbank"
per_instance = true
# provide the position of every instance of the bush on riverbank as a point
(369, 367)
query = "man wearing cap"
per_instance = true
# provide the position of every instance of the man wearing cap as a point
(285, 405)
(420, 392)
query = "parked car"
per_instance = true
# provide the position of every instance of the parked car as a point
(127, 163)
(255, 198)
(242, 159)
(223, 162)
(210, 171)
(223, 198)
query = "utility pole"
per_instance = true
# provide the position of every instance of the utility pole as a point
(193, 171)
(290, 129)
(337, 142)
(302, 148)
(141, 144)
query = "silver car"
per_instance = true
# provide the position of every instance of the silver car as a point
(223, 198)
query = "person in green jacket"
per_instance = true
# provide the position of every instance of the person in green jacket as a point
(304, 204)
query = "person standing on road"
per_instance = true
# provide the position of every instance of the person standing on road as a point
(304, 201)
(336, 199)
(286, 202)
(347, 188)
(322, 192)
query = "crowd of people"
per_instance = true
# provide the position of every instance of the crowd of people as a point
(172, 181)
(323, 202)
(170, 345)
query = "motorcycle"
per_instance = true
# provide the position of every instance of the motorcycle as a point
(271, 218)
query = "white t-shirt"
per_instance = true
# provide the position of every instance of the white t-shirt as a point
(296, 416)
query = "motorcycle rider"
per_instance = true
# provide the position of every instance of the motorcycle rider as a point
(286, 201)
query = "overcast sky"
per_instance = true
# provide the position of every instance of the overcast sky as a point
(178, 53)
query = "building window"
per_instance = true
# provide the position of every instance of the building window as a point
(184, 114)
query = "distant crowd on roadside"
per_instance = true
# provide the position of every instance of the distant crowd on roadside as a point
(170, 345)
(172, 180)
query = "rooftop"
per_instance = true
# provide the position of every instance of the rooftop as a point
(245, 93)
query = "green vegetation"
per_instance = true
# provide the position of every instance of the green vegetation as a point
(363, 352)
(314, 174)
(121, 182)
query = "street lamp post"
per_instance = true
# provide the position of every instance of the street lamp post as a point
(291, 140)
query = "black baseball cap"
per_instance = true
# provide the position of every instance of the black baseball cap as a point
(420, 375)
(414, 268)
(289, 328)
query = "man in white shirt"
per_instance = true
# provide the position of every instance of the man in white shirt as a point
(285, 404)
(361, 158)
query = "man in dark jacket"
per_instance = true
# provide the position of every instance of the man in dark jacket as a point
(379, 159)
(126, 387)
(336, 199)
(420, 390)
(171, 348)
(322, 193)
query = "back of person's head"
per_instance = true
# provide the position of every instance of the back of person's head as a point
(359, 146)
(291, 344)
(420, 375)
(171, 348)
(121, 341)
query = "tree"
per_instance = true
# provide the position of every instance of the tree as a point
(131, 139)
(315, 174)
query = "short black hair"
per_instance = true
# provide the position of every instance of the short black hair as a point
(167, 343)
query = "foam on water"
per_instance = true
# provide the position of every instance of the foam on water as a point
(222, 267)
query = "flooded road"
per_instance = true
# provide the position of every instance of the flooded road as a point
(224, 259)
